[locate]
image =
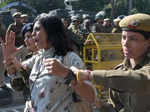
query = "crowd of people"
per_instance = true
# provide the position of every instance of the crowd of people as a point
(42, 59)
(82, 27)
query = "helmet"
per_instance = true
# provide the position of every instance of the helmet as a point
(85, 16)
(98, 16)
(75, 18)
(121, 16)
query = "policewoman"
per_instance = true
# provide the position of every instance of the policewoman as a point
(129, 83)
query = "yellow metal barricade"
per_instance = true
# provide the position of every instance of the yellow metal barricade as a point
(102, 51)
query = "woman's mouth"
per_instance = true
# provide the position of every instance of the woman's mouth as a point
(126, 51)
(36, 40)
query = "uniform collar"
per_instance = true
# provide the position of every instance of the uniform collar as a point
(142, 62)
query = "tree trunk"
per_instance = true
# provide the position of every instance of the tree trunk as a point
(112, 12)
(130, 6)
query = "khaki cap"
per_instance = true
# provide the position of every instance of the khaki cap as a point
(137, 22)
(17, 14)
(107, 19)
(24, 15)
(117, 20)
(75, 18)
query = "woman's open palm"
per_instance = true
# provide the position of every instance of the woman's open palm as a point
(9, 48)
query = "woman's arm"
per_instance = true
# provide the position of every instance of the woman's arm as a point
(130, 80)
(84, 90)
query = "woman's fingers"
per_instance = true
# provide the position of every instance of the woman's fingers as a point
(10, 67)
(11, 41)
(49, 69)
(8, 62)
(4, 50)
(55, 67)
(13, 38)
(11, 70)
(20, 48)
(7, 37)
(10, 44)
(48, 63)
(50, 60)
(10, 38)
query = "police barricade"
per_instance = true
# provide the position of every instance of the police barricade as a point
(102, 51)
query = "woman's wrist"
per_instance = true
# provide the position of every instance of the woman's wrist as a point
(89, 75)
(85, 75)
(82, 74)
(66, 72)
(70, 76)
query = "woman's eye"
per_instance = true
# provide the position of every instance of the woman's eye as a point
(123, 37)
(27, 37)
(37, 29)
(133, 38)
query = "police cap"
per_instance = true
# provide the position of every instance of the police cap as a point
(16, 14)
(138, 22)
(75, 18)
(107, 19)
(24, 15)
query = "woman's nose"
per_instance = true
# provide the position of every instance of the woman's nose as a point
(25, 39)
(125, 42)
(33, 34)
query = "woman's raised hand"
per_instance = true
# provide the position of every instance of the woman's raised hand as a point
(9, 48)
(9, 51)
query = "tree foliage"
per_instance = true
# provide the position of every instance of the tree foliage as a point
(5, 3)
(120, 6)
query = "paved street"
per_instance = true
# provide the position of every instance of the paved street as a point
(17, 104)
(11, 108)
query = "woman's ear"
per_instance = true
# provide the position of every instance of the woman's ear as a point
(48, 43)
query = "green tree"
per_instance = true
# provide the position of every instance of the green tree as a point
(142, 5)
(120, 6)
(92, 5)
(4, 3)
(45, 5)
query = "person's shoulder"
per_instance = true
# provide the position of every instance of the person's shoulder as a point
(114, 30)
(72, 54)
(72, 59)
(11, 26)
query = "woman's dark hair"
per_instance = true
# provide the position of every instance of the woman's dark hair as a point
(55, 34)
(27, 28)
